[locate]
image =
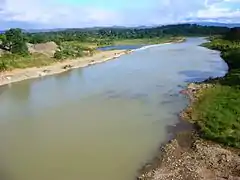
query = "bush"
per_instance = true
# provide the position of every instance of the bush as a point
(7, 62)
(58, 55)
(3, 65)
(72, 50)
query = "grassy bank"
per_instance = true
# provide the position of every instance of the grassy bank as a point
(217, 110)
(13, 61)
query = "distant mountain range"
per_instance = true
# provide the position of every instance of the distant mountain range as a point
(229, 25)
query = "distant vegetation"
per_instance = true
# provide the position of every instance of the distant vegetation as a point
(106, 36)
(218, 110)
(74, 43)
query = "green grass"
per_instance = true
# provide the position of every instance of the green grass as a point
(217, 112)
(10, 61)
(222, 45)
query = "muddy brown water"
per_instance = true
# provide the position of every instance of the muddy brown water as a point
(101, 122)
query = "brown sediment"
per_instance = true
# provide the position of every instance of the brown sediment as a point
(56, 68)
(189, 157)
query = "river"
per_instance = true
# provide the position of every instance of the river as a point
(101, 122)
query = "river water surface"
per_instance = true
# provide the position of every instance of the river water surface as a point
(101, 122)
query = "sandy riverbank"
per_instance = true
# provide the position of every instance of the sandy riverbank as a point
(17, 75)
(59, 67)
(189, 157)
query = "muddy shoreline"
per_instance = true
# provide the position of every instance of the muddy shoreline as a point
(186, 156)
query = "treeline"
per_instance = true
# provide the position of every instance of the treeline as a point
(228, 41)
(14, 40)
(107, 35)
(233, 35)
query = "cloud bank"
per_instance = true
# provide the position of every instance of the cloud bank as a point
(53, 14)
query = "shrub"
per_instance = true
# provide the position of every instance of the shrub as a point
(58, 55)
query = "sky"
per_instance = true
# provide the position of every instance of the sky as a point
(35, 14)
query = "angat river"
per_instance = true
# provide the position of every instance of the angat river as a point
(101, 122)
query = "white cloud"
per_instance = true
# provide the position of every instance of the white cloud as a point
(219, 13)
(232, 0)
(212, 10)
(49, 14)
(215, 13)
(53, 15)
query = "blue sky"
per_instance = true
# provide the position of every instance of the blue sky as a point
(110, 4)
(87, 13)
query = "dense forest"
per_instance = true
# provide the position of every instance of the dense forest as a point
(110, 34)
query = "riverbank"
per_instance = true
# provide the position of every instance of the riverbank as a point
(188, 156)
(205, 152)
(149, 41)
(16, 75)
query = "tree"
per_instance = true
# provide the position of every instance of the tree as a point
(233, 34)
(2, 42)
(15, 42)
(2, 38)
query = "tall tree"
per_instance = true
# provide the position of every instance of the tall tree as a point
(15, 42)
(233, 34)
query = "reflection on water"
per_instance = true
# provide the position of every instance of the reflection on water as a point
(101, 122)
